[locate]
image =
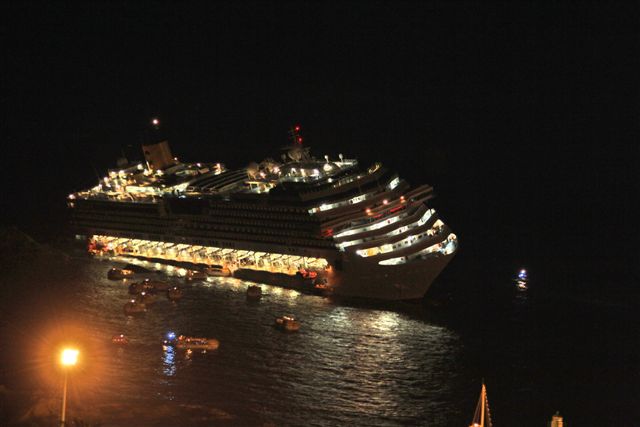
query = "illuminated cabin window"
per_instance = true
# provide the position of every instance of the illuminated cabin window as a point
(393, 261)
(394, 183)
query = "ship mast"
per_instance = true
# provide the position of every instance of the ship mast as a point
(483, 398)
(482, 416)
(294, 134)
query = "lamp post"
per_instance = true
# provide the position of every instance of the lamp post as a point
(68, 358)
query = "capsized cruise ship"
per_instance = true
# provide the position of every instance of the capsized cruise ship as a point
(326, 224)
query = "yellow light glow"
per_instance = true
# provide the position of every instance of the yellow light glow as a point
(69, 356)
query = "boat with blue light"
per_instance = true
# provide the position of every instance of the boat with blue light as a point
(522, 280)
(184, 342)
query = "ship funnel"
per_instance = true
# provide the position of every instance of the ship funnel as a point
(156, 148)
(158, 155)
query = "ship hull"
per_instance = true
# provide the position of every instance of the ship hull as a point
(282, 280)
(348, 275)
(389, 282)
(324, 226)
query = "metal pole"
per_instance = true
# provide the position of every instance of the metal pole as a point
(484, 397)
(64, 400)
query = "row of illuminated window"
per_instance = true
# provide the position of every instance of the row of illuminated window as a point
(258, 212)
(327, 206)
(373, 226)
(263, 227)
(425, 217)
(90, 219)
(357, 199)
(408, 241)
(446, 247)
(155, 225)
(236, 208)
(286, 221)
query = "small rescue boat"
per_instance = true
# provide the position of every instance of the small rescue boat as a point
(322, 288)
(195, 343)
(134, 307)
(119, 273)
(287, 323)
(137, 269)
(195, 275)
(174, 293)
(146, 298)
(138, 287)
(522, 281)
(120, 339)
(217, 271)
(254, 292)
(156, 285)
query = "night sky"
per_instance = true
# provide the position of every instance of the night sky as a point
(524, 117)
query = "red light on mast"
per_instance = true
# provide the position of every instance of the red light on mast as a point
(294, 134)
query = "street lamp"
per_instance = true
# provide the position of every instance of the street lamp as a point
(68, 358)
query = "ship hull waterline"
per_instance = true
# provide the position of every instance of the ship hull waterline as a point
(357, 278)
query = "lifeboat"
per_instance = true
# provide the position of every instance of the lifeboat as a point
(119, 273)
(194, 343)
(322, 288)
(169, 340)
(287, 323)
(217, 271)
(254, 292)
(138, 287)
(120, 339)
(195, 275)
(174, 293)
(146, 298)
(134, 307)
(308, 274)
(156, 285)
(137, 269)
(148, 285)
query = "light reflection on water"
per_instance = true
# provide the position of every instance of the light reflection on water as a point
(347, 365)
(168, 361)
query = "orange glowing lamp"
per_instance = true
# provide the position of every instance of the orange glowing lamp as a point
(69, 356)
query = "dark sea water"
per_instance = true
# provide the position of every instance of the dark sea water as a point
(351, 363)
